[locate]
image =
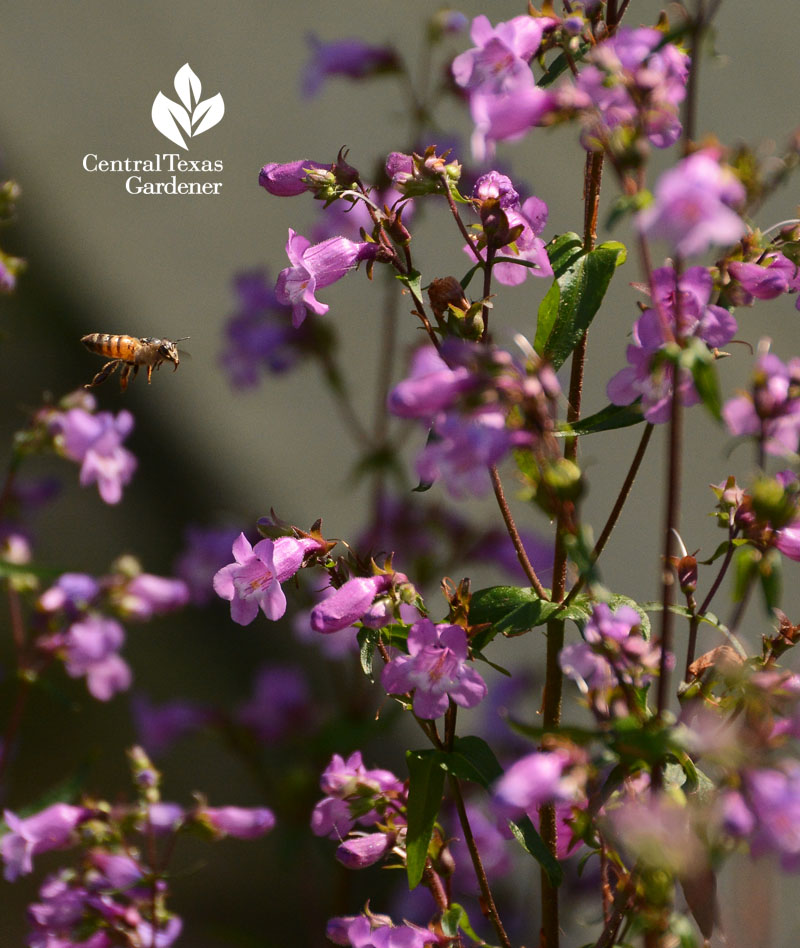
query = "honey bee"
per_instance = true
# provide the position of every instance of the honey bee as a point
(129, 353)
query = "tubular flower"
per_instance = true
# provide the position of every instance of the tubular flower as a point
(315, 266)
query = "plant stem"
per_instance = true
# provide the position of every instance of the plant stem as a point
(490, 908)
(516, 539)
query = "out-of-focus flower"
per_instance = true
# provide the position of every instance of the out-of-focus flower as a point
(436, 670)
(95, 442)
(674, 317)
(691, 210)
(632, 82)
(72, 593)
(236, 821)
(91, 647)
(533, 780)
(160, 726)
(51, 828)
(205, 551)
(280, 703)
(504, 99)
(260, 336)
(771, 412)
(146, 595)
(351, 58)
(313, 267)
(377, 931)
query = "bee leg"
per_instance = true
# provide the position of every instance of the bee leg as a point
(123, 378)
(149, 373)
(104, 373)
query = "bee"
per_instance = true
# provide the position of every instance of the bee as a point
(129, 353)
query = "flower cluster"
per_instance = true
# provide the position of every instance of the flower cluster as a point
(87, 640)
(680, 310)
(464, 394)
(94, 440)
(771, 411)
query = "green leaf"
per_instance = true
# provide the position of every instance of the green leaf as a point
(526, 835)
(511, 610)
(708, 617)
(413, 280)
(561, 63)
(473, 759)
(426, 772)
(607, 419)
(581, 281)
(366, 642)
(455, 918)
(769, 573)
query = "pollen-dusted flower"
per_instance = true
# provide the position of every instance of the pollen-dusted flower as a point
(315, 266)
(251, 582)
(436, 669)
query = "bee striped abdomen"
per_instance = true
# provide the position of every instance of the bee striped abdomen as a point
(112, 346)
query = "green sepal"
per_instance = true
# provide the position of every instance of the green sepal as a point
(473, 759)
(455, 919)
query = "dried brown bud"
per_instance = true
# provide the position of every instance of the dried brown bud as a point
(444, 293)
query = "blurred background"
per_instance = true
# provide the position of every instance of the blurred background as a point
(80, 79)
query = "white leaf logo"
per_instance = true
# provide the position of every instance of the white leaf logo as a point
(190, 115)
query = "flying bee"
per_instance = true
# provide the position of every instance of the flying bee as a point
(130, 353)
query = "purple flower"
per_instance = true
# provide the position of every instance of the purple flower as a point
(527, 221)
(691, 209)
(236, 821)
(251, 582)
(431, 387)
(633, 80)
(91, 647)
(535, 779)
(773, 275)
(289, 179)
(158, 727)
(772, 412)
(51, 828)
(364, 850)
(675, 316)
(504, 99)
(72, 593)
(146, 595)
(349, 603)
(462, 450)
(95, 442)
(315, 266)
(377, 931)
(259, 335)
(349, 781)
(351, 58)
(435, 669)
(280, 703)
(206, 550)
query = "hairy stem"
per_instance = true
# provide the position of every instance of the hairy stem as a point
(516, 539)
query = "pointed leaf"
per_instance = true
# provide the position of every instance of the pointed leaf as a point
(208, 113)
(168, 116)
(581, 281)
(188, 87)
(455, 918)
(607, 419)
(704, 375)
(425, 788)
(526, 835)
(473, 759)
(512, 610)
